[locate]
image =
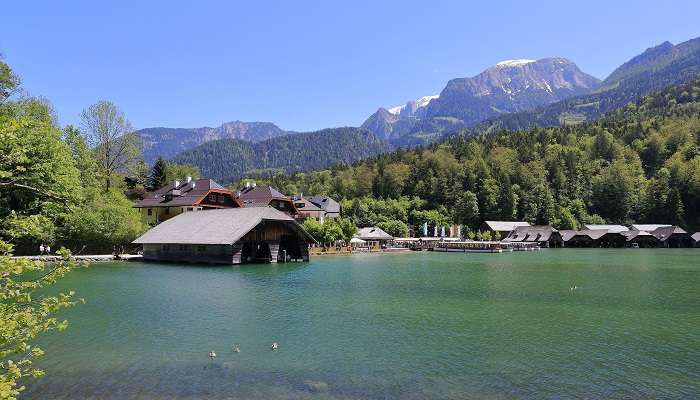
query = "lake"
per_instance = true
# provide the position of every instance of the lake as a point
(385, 326)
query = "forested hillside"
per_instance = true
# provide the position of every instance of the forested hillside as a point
(638, 164)
(228, 159)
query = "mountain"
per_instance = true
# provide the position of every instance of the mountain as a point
(167, 142)
(506, 87)
(655, 69)
(226, 160)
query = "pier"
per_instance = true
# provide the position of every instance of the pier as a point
(474, 246)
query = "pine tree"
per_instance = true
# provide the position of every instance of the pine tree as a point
(158, 177)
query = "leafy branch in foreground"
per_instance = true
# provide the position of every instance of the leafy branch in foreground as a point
(24, 314)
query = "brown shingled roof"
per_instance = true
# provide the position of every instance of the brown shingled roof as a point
(185, 194)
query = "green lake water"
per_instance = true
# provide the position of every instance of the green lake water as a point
(385, 326)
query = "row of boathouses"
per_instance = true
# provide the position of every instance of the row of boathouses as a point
(643, 236)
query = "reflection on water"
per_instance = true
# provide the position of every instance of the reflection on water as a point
(409, 326)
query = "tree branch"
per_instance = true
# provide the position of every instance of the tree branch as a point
(35, 190)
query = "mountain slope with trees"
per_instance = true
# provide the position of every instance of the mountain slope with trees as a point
(229, 159)
(640, 163)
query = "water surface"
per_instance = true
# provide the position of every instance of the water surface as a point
(386, 326)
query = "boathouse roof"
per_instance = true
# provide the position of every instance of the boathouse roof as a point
(665, 232)
(648, 227)
(609, 228)
(535, 233)
(504, 226)
(225, 226)
(696, 237)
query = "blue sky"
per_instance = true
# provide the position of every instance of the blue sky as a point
(304, 65)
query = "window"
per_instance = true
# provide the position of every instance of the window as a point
(201, 248)
(189, 208)
(183, 247)
(212, 197)
(150, 212)
(167, 211)
(281, 205)
(300, 205)
(222, 198)
(166, 247)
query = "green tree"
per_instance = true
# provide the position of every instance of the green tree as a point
(25, 312)
(466, 209)
(158, 176)
(394, 228)
(110, 134)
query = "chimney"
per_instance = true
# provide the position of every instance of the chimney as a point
(189, 179)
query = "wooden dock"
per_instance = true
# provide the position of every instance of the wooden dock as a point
(471, 246)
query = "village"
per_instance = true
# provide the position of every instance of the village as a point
(202, 221)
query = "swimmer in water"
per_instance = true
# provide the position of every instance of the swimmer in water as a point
(274, 345)
(212, 354)
(236, 348)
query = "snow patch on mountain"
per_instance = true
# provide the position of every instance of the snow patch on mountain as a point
(419, 103)
(514, 63)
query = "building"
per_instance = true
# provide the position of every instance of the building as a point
(179, 197)
(501, 229)
(264, 196)
(672, 236)
(696, 238)
(647, 227)
(641, 239)
(227, 236)
(593, 238)
(544, 235)
(307, 209)
(609, 228)
(327, 204)
(374, 235)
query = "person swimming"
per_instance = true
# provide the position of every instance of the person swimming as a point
(236, 348)
(274, 345)
(212, 354)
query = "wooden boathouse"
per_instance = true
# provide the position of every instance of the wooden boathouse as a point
(228, 236)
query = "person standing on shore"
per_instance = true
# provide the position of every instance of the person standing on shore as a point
(41, 249)
(48, 249)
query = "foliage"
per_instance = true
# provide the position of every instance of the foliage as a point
(226, 160)
(331, 230)
(157, 178)
(25, 313)
(117, 149)
(640, 163)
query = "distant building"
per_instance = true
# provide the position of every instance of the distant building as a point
(609, 228)
(696, 238)
(673, 236)
(641, 238)
(231, 236)
(544, 235)
(307, 209)
(327, 204)
(179, 197)
(264, 196)
(647, 227)
(374, 235)
(593, 238)
(501, 229)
